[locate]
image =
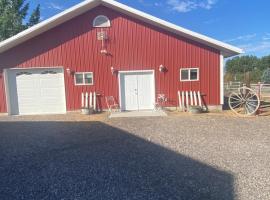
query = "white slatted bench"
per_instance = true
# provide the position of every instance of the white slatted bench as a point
(89, 100)
(189, 98)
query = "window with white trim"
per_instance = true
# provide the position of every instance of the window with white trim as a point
(189, 74)
(101, 21)
(83, 78)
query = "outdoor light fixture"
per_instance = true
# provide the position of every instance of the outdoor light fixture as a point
(70, 72)
(162, 68)
(113, 70)
(104, 51)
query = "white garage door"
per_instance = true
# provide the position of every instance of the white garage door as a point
(36, 91)
(137, 90)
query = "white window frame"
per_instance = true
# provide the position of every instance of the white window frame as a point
(108, 23)
(83, 73)
(189, 71)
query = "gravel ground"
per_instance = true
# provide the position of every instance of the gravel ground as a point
(176, 157)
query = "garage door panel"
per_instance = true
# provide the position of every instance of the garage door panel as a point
(51, 101)
(51, 92)
(38, 91)
(27, 109)
(51, 82)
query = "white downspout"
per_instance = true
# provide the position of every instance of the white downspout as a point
(221, 79)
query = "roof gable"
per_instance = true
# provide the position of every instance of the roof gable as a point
(226, 49)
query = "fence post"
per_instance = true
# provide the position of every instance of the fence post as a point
(260, 90)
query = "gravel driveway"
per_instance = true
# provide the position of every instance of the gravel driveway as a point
(177, 157)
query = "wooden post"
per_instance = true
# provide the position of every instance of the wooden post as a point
(82, 99)
(260, 90)
(180, 102)
(195, 98)
(95, 101)
(183, 101)
(199, 98)
(86, 100)
(91, 100)
(187, 100)
(191, 98)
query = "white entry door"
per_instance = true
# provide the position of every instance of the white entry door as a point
(137, 90)
(36, 91)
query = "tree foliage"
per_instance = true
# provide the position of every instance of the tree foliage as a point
(266, 76)
(13, 15)
(242, 64)
(242, 68)
(35, 17)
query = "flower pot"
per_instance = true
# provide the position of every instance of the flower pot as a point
(85, 111)
(195, 109)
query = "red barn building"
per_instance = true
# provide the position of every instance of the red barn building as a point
(112, 49)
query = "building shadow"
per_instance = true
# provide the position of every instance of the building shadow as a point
(92, 160)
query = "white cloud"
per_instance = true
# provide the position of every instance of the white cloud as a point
(255, 44)
(242, 37)
(147, 3)
(55, 6)
(184, 6)
(266, 37)
(256, 48)
(260, 47)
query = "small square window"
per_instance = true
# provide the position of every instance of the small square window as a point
(194, 74)
(185, 74)
(189, 74)
(88, 78)
(84, 78)
(79, 79)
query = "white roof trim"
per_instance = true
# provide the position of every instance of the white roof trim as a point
(226, 49)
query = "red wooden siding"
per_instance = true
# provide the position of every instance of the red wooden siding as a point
(133, 45)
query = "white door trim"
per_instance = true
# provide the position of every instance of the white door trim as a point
(6, 81)
(134, 71)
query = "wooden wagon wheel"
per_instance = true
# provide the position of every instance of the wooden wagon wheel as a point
(244, 102)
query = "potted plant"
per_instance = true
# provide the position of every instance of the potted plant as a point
(87, 110)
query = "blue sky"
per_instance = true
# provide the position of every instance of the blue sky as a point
(243, 23)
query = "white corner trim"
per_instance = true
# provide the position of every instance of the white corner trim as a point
(221, 79)
(7, 90)
(228, 50)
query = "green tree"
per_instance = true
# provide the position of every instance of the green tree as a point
(242, 64)
(266, 76)
(265, 63)
(12, 17)
(35, 17)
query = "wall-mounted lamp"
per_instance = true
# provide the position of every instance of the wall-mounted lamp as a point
(162, 68)
(104, 52)
(70, 72)
(113, 70)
